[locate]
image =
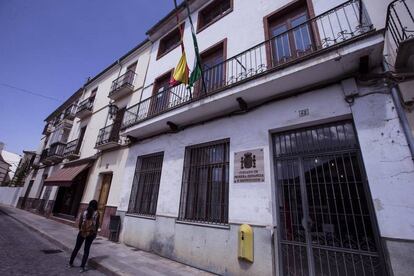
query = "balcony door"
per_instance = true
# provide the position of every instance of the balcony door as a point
(290, 36)
(160, 98)
(129, 76)
(213, 67)
(116, 127)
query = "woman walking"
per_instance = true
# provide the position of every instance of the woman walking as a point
(88, 229)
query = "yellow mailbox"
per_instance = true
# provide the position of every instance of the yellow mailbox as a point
(246, 242)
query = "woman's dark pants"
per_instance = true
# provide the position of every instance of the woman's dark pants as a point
(79, 240)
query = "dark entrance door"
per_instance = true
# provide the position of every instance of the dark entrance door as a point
(68, 198)
(326, 222)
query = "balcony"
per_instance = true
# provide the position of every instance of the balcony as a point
(70, 112)
(55, 153)
(71, 151)
(122, 86)
(108, 137)
(328, 46)
(400, 33)
(85, 108)
(43, 157)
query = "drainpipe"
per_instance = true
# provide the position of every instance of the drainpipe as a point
(395, 93)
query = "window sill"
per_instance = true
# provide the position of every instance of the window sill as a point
(140, 216)
(209, 225)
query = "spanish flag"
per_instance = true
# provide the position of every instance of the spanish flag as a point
(181, 71)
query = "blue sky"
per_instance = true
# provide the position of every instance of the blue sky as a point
(50, 47)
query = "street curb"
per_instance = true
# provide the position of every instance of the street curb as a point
(91, 261)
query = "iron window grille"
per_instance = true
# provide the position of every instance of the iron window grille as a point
(145, 187)
(205, 188)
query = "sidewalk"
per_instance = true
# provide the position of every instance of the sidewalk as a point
(108, 257)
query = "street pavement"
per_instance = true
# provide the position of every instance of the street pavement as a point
(22, 252)
(106, 256)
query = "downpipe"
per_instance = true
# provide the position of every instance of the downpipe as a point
(395, 93)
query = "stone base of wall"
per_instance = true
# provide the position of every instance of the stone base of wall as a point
(49, 208)
(19, 202)
(213, 249)
(109, 211)
(401, 256)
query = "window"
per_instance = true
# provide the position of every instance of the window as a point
(204, 196)
(144, 194)
(80, 139)
(213, 66)
(93, 94)
(170, 41)
(213, 12)
(160, 98)
(289, 37)
(130, 73)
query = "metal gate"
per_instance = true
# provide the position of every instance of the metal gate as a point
(326, 224)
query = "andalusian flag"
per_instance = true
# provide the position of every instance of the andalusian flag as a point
(197, 72)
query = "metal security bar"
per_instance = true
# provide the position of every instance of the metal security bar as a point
(108, 134)
(56, 149)
(70, 112)
(205, 189)
(126, 79)
(400, 22)
(329, 29)
(72, 147)
(86, 104)
(144, 195)
(326, 221)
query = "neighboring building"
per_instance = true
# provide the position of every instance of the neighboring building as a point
(295, 129)
(8, 165)
(23, 169)
(82, 156)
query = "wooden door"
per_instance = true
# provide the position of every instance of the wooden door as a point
(103, 195)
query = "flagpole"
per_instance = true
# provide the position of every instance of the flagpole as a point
(197, 53)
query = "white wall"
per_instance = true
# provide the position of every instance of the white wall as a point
(10, 195)
(246, 20)
(388, 164)
(245, 132)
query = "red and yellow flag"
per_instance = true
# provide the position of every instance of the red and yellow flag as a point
(181, 71)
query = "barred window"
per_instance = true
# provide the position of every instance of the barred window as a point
(144, 194)
(205, 189)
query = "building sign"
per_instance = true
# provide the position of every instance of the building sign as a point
(249, 166)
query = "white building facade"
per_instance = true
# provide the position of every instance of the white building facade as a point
(293, 132)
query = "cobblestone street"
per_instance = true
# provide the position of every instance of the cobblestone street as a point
(26, 253)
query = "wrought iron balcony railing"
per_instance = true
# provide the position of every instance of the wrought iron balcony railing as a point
(56, 149)
(400, 22)
(72, 148)
(86, 104)
(108, 134)
(125, 80)
(43, 155)
(70, 112)
(338, 25)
